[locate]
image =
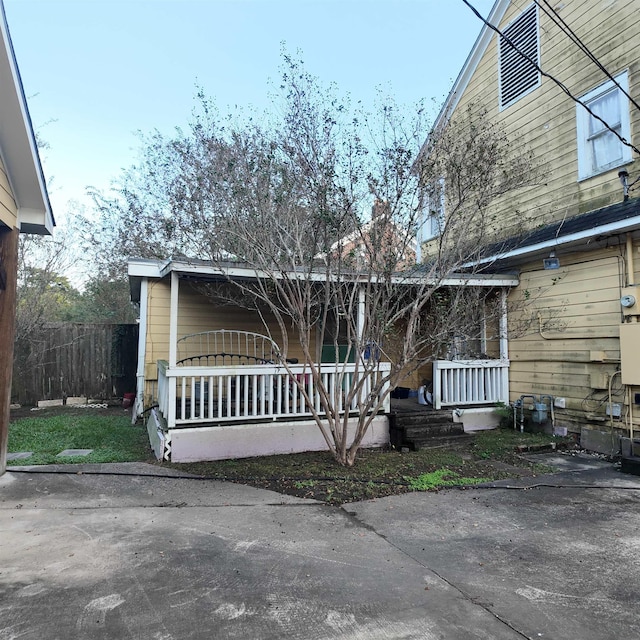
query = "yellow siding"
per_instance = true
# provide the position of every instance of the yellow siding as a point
(197, 313)
(8, 208)
(545, 119)
(580, 311)
(578, 305)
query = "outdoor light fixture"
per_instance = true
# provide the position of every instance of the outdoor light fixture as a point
(624, 181)
(551, 262)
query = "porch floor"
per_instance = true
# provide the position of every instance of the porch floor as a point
(410, 405)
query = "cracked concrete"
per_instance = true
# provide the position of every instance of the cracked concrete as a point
(138, 556)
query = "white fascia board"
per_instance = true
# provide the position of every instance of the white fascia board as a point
(471, 63)
(145, 268)
(457, 280)
(621, 226)
(31, 221)
(185, 267)
(18, 144)
(463, 280)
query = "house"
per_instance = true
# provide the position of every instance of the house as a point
(220, 380)
(563, 80)
(24, 207)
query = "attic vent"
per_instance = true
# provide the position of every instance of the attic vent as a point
(517, 75)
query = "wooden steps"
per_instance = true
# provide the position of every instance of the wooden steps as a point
(424, 430)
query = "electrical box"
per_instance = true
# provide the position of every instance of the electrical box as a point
(614, 409)
(630, 301)
(630, 353)
(599, 380)
(597, 356)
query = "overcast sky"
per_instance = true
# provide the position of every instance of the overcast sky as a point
(97, 71)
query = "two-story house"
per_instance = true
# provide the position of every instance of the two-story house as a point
(563, 80)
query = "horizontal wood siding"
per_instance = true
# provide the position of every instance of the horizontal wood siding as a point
(545, 119)
(196, 313)
(580, 310)
(8, 208)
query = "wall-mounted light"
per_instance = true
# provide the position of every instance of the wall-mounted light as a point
(551, 262)
(624, 181)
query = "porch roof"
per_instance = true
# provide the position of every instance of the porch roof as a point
(140, 268)
(592, 230)
(18, 144)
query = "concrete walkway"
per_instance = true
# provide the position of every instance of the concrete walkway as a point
(137, 556)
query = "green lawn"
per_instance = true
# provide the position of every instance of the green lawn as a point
(111, 437)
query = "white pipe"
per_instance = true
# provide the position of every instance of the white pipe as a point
(631, 277)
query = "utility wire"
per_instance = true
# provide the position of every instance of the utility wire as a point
(543, 73)
(553, 14)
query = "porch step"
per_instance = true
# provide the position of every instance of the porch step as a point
(441, 441)
(425, 429)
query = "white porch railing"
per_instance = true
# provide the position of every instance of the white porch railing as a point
(466, 382)
(192, 395)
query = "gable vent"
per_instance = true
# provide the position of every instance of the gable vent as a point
(517, 75)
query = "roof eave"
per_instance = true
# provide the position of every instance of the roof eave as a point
(18, 145)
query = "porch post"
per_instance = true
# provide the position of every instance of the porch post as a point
(361, 300)
(8, 293)
(504, 340)
(173, 320)
(173, 348)
(142, 348)
(504, 348)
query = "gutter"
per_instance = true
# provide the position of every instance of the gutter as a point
(620, 226)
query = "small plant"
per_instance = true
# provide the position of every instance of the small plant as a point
(505, 413)
(305, 484)
(441, 478)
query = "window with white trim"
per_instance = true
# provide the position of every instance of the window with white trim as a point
(599, 148)
(434, 210)
(518, 75)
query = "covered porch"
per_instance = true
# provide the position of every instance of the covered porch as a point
(224, 393)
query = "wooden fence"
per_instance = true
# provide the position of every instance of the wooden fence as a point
(74, 359)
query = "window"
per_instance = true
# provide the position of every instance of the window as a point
(599, 149)
(518, 76)
(434, 210)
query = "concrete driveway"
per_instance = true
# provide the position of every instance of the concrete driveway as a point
(137, 556)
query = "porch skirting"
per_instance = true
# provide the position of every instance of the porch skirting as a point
(196, 444)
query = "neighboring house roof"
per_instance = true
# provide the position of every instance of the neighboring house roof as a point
(18, 145)
(572, 234)
(140, 268)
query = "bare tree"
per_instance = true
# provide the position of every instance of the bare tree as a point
(324, 206)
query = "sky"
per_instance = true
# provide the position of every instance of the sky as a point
(96, 72)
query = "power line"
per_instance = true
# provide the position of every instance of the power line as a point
(553, 14)
(543, 73)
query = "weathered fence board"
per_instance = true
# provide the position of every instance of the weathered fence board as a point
(74, 359)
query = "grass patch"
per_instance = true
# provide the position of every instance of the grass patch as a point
(111, 437)
(500, 444)
(441, 478)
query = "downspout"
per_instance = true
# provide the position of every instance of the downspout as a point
(630, 270)
(631, 278)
